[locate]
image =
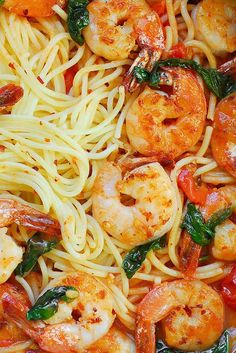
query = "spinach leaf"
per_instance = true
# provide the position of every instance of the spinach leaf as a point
(201, 232)
(142, 75)
(222, 346)
(218, 218)
(2, 2)
(35, 247)
(218, 83)
(134, 259)
(78, 19)
(47, 305)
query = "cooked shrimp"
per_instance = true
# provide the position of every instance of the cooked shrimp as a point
(10, 333)
(76, 325)
(191, 314)
(168, 125)
(118, 26)
(223, 141)
(114, 341)
(153, 213)
(32, 8)
(215, 23)
(9, 95)
(12, 211)
(224, 245)
(10, 255)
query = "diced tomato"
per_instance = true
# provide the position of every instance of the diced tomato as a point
(195, 193)
(177, 51)
(69, 76)
(159, 6)
(228, 289)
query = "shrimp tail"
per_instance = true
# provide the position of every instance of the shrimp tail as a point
(10, 94)
(12, 211)
(146, 60)
(15, 311)
(189, 257)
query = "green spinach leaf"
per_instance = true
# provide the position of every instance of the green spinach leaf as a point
(78, 19)
(47, 305)
(35, 247)
(201, 232)
(218, 83)
(134, 259)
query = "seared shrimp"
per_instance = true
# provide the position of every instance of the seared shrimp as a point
(10, 255)
(224, 245)
(76, 325)
(12, 211)
(118, 26)
(153, 213)
(32, 8)
(114, 341)
(168, 125)
(215, 23)
(223, 141)
(10, 333)
(9, 95)
(191, 314)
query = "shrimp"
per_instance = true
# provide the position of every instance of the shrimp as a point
(215, 23)
(223, 141)
(118, 26)
(167, 125)
(153, 213)
(191, 314)
(12, 211)
(114, 341)
(9, 332)
(77, 325)
(10, 255)
(32, 8)
(224, 245)
(9, 95)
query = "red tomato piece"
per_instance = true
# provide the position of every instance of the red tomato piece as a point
(228, 289)
(69, 76)
(159, 6)
(195, 193)
(178, 51)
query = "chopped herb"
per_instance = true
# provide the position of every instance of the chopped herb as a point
(134, 259)
(35, 247)
(222, 346)
(200, 231)
(47, 305)
(142, 75)
(218, 83)
(2, 2)
(78, 19)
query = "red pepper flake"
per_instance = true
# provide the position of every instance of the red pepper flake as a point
(36, 168)
(10, 94)
(90, 91)
(40, 80)
(95, 320)
(47, 140)
(56, 162)
(2, 148)
(12, 66)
